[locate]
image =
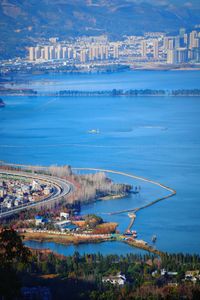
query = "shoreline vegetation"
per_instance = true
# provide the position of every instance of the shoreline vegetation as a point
(69, 239)
(130, 93)
(65, 239)
(89, 187)
(103, 93)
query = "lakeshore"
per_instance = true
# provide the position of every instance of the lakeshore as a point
(100, 231)
(62, 238)
(69, 239)
(131, 241)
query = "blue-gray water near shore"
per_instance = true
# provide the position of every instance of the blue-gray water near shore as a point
(154, 137)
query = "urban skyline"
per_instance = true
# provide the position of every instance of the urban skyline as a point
(153, 46)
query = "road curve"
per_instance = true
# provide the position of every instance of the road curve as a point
(61, 187)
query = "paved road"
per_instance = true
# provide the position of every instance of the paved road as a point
(61, 188)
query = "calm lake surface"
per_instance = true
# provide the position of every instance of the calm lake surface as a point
(154, 137)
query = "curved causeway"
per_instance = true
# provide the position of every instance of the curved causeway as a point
(169, 189)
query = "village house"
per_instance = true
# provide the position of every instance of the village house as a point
(39, 220)
(118, 279)
(64, 215)
(2, 192)
(192, 276)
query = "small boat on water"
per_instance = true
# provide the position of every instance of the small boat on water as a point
(132, 233)
(94, 131)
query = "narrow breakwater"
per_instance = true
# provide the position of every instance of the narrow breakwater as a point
(132, 241)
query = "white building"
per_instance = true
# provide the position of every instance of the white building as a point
(119, 279)
(64, 215)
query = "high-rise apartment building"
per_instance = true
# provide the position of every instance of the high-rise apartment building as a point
(37, 52)
(83, 55)
(177, 42)
(58, 52)
(115, 52)
(31, 53)
(177, 56)
(46, 53)
(182, 55)
(168, 43)
(172, 56)
(155, 49)
(143, 49)
(193, 39)
(185, 39)
(91, 53)
(70, 53)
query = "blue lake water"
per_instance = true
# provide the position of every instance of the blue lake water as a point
(121, 80)
(106, 248)
(154, 137)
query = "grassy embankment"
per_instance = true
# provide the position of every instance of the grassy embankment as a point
(66, 239)
(113, 197)
(70, 238)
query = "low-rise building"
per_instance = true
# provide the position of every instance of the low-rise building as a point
(118, 279)
(64, 215)
(192, 276)
(39, 220)
(2, 192)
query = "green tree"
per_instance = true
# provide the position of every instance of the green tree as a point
(12, 251)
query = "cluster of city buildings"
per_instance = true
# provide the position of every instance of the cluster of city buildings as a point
(184, 47)
(14, 192)
(81, 50)
(153, 46)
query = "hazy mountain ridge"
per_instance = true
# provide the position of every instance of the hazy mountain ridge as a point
(22, 22)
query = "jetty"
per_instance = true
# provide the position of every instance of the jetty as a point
(132, 216)
(169, 189)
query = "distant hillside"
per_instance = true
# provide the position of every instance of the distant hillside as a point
(24, 21)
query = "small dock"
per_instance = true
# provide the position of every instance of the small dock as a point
(132, 216)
